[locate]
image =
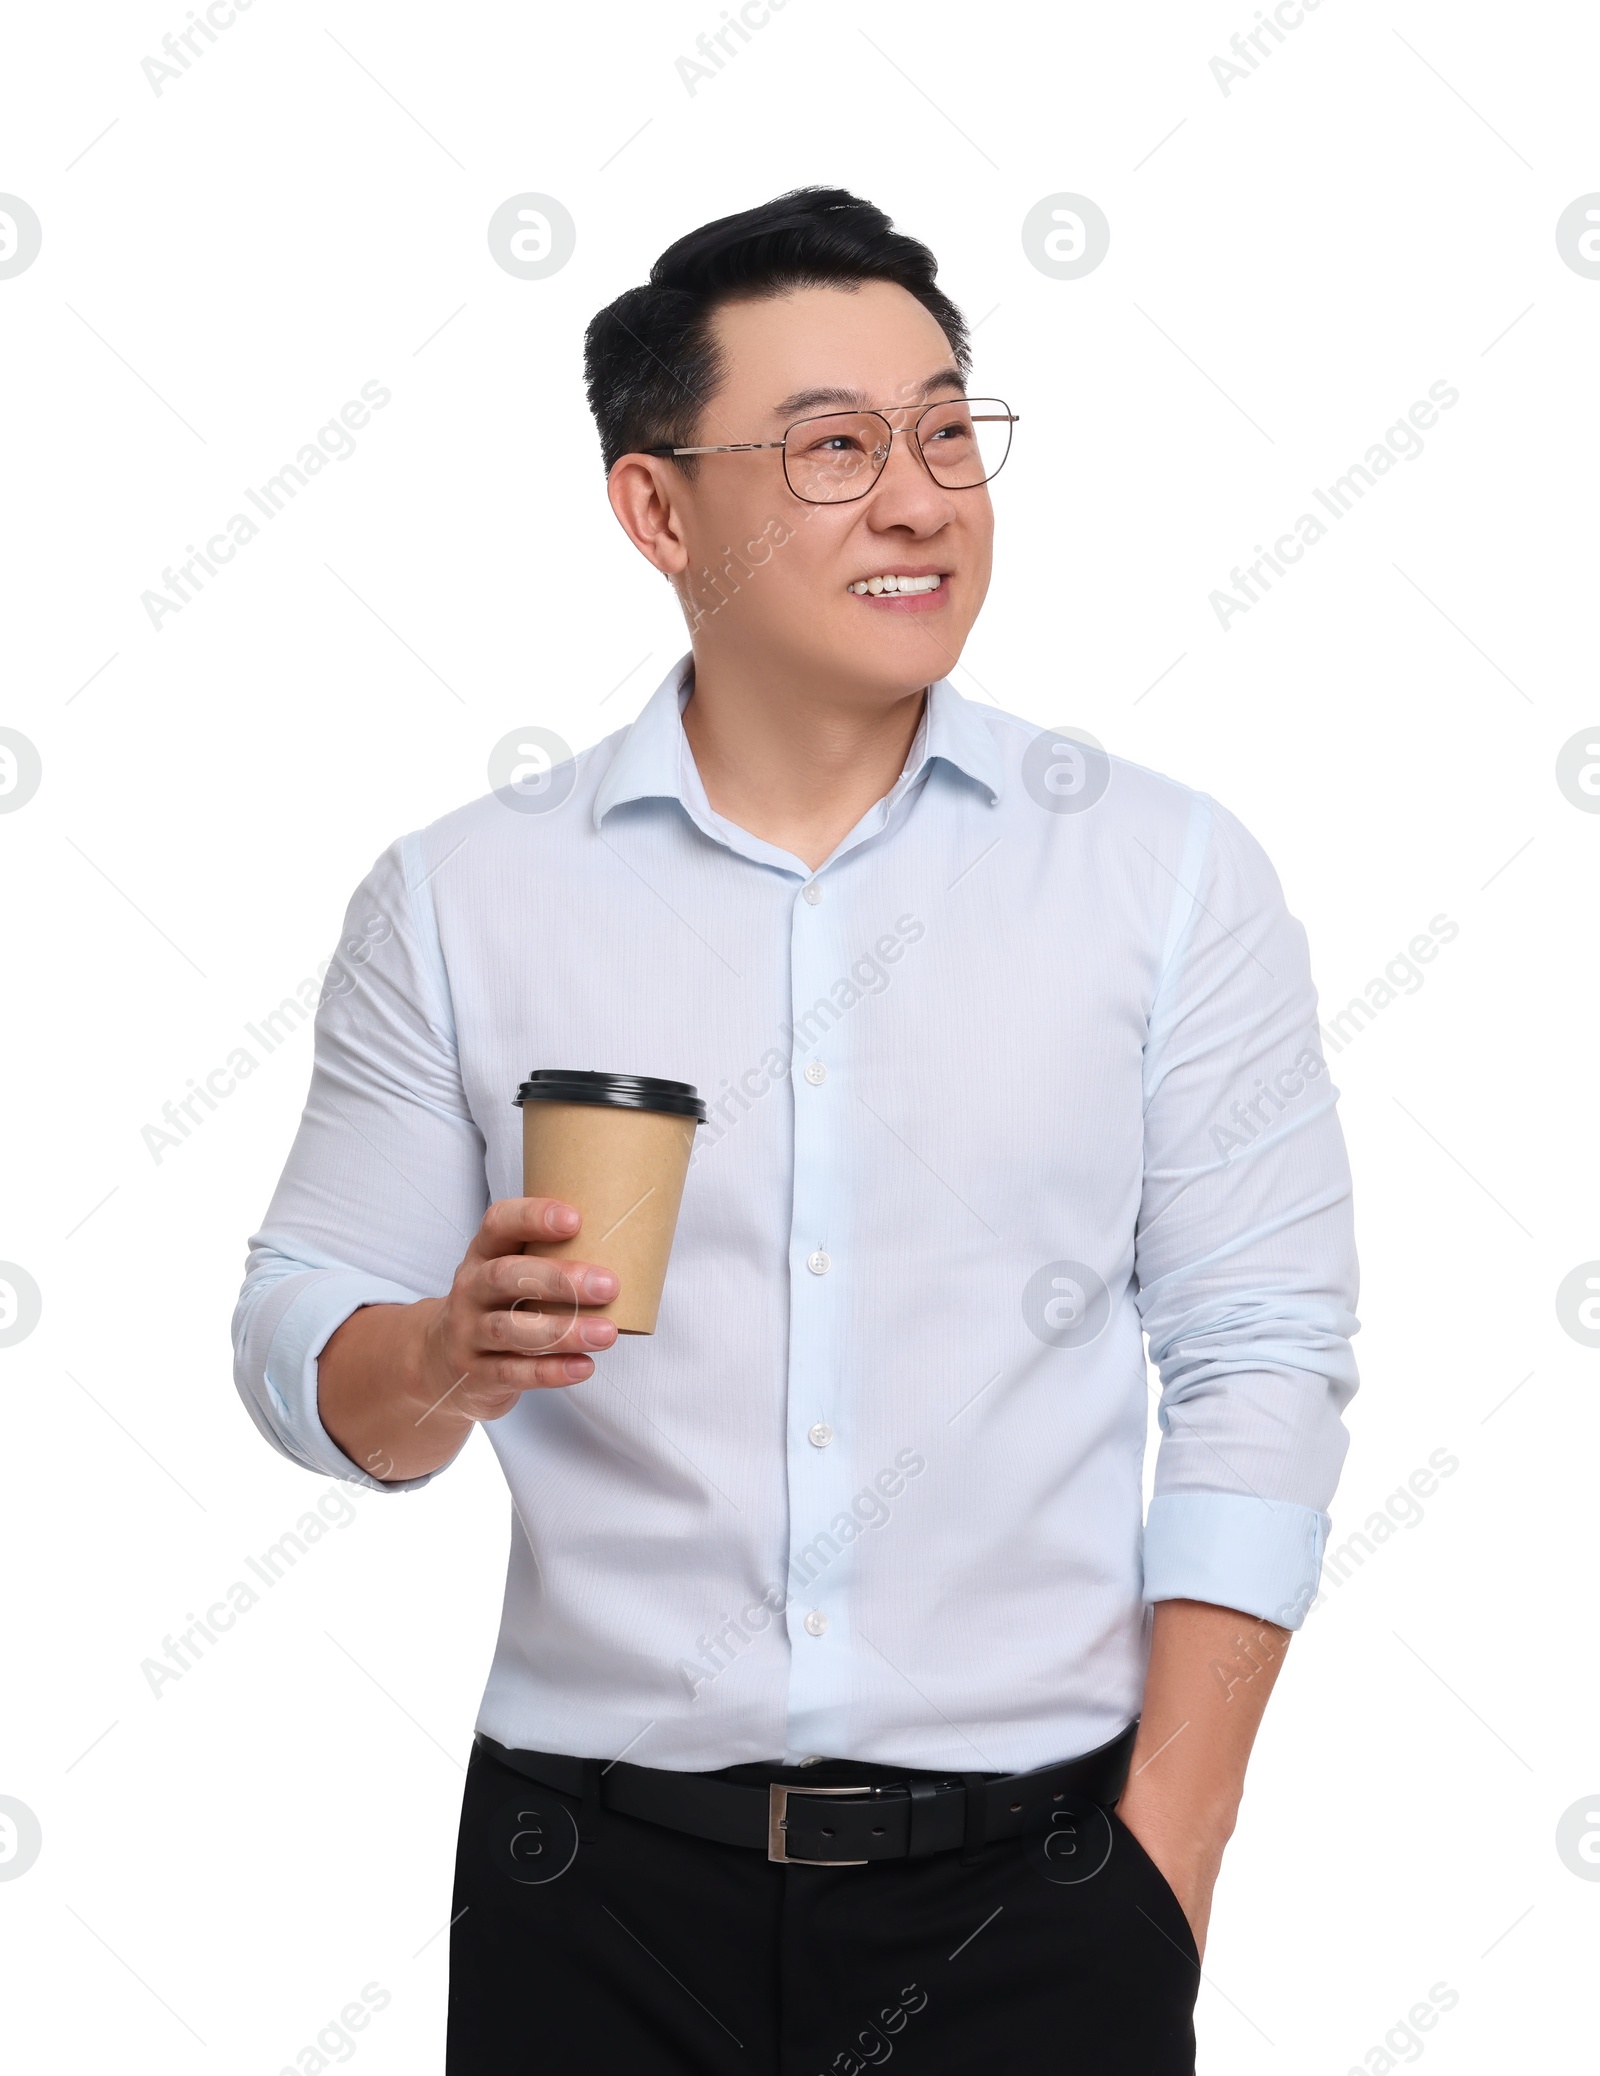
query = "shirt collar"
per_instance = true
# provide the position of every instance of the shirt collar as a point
(649, 763)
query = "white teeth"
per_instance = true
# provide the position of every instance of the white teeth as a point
(873, 586)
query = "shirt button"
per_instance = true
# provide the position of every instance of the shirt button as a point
(818, 1263)
(811, 892)
(816, 1072)
(819, 1436)
(816, 1622)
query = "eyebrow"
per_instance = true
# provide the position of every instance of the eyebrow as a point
(856, 399)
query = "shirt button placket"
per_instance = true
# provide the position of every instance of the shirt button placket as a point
(816, 1616)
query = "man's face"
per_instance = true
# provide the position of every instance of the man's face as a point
(781, 569)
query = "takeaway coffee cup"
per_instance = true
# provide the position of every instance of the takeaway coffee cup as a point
(616, 1147)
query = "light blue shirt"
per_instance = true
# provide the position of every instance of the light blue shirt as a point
(1029, 1064)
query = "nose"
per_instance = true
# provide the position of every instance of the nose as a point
(910, 477)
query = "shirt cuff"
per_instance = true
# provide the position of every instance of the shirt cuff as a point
(290, 1371)
(1262, 1556)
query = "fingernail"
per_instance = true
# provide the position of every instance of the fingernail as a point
(561, 1218)
(600, 1283)
(577, 1367)
(598, 1333)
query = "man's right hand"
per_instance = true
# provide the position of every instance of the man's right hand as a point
(400, 1387)
(514, 1322)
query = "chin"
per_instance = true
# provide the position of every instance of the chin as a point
(911, 657)
(883, 660)
(888, 669)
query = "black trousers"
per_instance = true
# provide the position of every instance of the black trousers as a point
(646, 1950)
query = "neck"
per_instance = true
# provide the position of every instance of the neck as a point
(792, 764)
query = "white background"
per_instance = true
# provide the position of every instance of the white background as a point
(1292, 264)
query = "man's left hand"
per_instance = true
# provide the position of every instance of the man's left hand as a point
(1211, 1670)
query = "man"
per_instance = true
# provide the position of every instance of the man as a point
(1010, 1051)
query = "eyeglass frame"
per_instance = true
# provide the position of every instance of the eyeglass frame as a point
(1007, 416)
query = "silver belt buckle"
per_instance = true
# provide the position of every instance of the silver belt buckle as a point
(778, 1824)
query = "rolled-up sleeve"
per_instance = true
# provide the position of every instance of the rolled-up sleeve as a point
(1245, 1256)
(385, 1183)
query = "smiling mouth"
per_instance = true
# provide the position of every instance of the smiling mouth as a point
(892, 587)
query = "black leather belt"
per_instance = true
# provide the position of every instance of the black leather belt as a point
(821, 1816)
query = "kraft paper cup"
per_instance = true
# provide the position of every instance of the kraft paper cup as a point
(616, 1147)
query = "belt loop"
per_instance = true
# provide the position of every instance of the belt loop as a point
(924, 1794)
(972, 1840)
(589, 1809)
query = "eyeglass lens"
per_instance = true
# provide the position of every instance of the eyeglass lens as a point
(831, 459)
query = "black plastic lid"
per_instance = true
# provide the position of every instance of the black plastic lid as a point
(617, 1091)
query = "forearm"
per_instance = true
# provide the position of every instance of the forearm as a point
(1211, 1671)
(377, 1401)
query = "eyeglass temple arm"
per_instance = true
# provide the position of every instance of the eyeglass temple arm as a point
(736, 447)
(760, 446)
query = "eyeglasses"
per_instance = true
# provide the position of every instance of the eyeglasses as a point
(833, 460)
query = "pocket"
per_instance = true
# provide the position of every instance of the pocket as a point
(1167, 1911)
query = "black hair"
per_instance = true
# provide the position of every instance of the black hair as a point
(651, 359)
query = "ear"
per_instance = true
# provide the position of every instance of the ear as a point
(647, 494)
